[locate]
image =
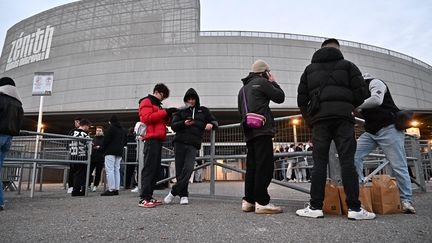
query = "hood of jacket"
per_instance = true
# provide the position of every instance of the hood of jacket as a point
(153, 99)
(249, 78)
(327, 54)
(192, 93)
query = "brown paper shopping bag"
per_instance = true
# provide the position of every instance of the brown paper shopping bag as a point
(364, 197)
(331, 199)
(385, 195)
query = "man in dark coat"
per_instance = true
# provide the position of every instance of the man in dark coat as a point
(189, 125)
(339, 87)
(259, 88)
(11, 113)
(113, 143)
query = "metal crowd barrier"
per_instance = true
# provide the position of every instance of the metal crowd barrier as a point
(227, 143)
(35, 151)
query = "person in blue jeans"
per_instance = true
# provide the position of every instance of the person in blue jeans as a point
(11, 113)
(379, 113)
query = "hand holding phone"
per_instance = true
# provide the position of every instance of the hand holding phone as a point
(189, 121)
(271, 78)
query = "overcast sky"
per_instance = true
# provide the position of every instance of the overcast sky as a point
(400, 25)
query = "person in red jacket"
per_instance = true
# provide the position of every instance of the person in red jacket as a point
(155, 118)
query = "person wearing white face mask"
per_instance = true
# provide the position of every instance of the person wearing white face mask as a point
(189, 124)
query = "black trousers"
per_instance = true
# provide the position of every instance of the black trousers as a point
(342, 132)
(130, 169)
(184, 165)
(152, 164)
(70, 175)
(98, 166)
(259, 169)
(79, 178)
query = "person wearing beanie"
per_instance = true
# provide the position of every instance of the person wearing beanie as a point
(78, 151)
(112, 145)
(259, 88)
(189, 125)
(329, 90)
(12, 114)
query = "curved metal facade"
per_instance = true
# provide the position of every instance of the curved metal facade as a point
(107, 54)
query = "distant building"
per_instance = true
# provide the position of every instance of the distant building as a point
(107, 54)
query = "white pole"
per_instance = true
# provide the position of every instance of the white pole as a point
(295, 134)
(39, 127)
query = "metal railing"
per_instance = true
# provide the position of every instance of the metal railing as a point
(220, 148)
(315, 39)
(227, 143)
(34, 151)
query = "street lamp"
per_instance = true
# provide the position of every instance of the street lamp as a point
(295, 122)
(415, 123)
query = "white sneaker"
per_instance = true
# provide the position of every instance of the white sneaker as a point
(267, 209)
(169, 198)
(70, 189)
(310, 213)
(247, 207)
(94, 188)
(184, 201)
(136, 189)
(361, 215)
(408, 208)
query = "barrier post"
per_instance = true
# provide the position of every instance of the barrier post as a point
(212, 162)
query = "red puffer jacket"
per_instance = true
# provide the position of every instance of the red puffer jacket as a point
(155, 118)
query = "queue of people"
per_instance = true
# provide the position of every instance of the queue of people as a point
(331, 88)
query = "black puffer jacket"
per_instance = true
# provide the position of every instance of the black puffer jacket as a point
(259, 92)
(201, 115)
(97, 155)
(344, 90)
(114, 140)
(11, 113)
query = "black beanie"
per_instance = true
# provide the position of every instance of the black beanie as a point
(114, 119)
(6, 81)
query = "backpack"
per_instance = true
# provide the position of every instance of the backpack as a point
(140, 130)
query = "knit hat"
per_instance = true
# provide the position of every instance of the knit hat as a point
(85, 122)
(260, 66)
(114, 119)
(6, 81)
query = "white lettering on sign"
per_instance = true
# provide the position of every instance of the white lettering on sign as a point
(30, 48)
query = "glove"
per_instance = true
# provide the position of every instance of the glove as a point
(171, 111)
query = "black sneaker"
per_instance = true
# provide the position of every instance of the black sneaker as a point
(116, 192)
(109, 193)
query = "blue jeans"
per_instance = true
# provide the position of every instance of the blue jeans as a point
(5, 143)
(392, 142)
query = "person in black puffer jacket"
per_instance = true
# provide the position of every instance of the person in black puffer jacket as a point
(259, 88)
(189, 124)
(113, 143)
(342, 89)
(11, 113)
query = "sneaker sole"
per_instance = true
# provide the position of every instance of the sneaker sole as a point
(142, 206)
(306, 216)
(252, 209)
(408, 212)
(360, 219)
(267, 211)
